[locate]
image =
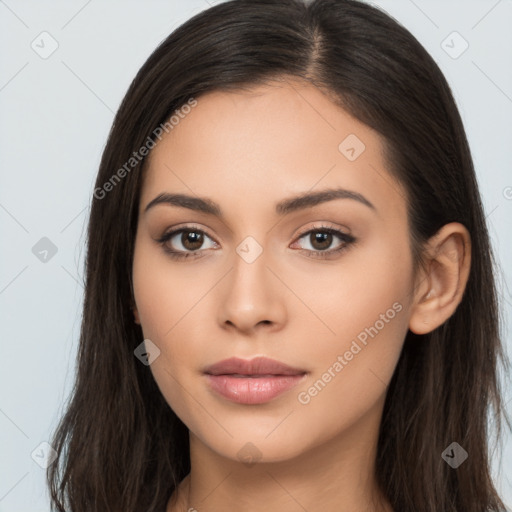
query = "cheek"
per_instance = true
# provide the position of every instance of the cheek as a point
(365, 305)
(365, 284)
(351, 379)
(166, 292)
(167, 297)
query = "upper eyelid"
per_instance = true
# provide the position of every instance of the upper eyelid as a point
(188, 227)
(325, 226)
(175, 230)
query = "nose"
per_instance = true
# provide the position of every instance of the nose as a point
(252, 297)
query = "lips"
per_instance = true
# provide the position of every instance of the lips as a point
(259, 366)
(257, 381)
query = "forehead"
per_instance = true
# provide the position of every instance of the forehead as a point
(266, 143)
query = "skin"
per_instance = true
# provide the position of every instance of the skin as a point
(247, 151)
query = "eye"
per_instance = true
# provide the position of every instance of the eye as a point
(185, 242)
(322, 238)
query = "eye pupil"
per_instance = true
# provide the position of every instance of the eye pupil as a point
(325, 240)
(191, 237)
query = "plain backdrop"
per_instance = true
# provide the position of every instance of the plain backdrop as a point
(64, 68)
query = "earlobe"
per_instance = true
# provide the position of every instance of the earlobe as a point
(444, 279)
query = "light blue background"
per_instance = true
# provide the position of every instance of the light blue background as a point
(55, 117)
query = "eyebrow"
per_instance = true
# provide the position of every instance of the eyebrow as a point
(300, 202)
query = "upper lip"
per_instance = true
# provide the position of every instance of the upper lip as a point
(256, 366)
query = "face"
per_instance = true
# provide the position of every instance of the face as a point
(321, 285)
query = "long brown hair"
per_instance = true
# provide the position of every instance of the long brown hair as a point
(120, 446)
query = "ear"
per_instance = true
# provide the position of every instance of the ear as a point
(441, 284)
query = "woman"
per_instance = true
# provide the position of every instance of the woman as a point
(290, 299)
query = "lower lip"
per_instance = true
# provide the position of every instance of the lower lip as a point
(252, 390)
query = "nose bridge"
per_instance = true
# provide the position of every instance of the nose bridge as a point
(251, 294)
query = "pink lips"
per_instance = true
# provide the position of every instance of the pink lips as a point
(256, 381)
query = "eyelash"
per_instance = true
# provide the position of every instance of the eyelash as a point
(182, 255)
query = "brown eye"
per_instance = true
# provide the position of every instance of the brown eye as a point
(186, 242)
(191, 240)
(320, 240)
